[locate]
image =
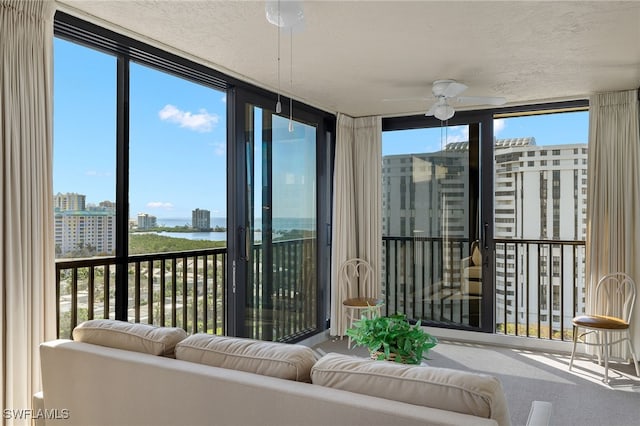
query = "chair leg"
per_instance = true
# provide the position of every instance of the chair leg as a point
(605, 338)
(633, 353)
(349, 325)
(575, 341)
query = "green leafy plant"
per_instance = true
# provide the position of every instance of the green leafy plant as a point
(392, 338)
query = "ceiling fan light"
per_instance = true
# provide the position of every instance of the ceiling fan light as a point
(443, 112)
(285, 14)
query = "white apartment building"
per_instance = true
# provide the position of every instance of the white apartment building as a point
(147, 221)
(92, 231)
(540, 194)
(201, 219)
(81, 229)
(69, 201)
(424, 199)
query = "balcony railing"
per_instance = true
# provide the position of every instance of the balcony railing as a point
(539, 287)
(177, 289)
(539, 283)
(281, 303)
(187, 290)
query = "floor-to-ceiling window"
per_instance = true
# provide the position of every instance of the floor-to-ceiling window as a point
(145, 154)
(177, 198)
(84, 174)
(540, 162)
(484, 218)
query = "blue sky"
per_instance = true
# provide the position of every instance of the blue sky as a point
(178, 135)
(177, 143)
(548, 129)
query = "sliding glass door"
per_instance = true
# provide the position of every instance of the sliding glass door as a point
(282, 202)
(435, 236)
(281, 227)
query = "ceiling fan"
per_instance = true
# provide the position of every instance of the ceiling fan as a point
(444, 90)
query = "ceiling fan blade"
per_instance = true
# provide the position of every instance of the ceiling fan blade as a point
(453, 89)
(436, 104)
(481, 100)
(431, 110)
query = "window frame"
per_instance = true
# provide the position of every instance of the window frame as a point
(126, 49)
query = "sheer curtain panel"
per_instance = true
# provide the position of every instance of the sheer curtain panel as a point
(27, 299)
(613, 199)
(357, 203)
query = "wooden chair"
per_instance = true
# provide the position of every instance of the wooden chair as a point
(357, 287)
(618, 292)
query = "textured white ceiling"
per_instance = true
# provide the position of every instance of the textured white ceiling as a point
(367, 57)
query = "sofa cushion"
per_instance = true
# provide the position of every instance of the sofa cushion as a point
(464, 392)
(132, 337)
(282, 360)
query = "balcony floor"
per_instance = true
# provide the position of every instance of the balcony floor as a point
(579, 397)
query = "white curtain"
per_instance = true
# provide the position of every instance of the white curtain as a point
(613, 209)
(27, 299)
(357, 205)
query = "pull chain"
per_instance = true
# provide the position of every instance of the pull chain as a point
(291, 80)
(278, 104)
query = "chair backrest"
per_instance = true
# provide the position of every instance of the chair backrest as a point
(356, 279)
(616, 293)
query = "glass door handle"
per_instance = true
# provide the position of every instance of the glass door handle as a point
(242, 243)
(485, 228)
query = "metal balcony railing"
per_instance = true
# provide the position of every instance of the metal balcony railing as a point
(187, 290)
(539, 284)
(539, 287)
(177, 289)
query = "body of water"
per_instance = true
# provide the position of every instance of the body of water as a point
(209, 236)
(279, 224)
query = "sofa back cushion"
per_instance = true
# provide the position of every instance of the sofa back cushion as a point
(282, 360)
(132, 337)
(463, 392)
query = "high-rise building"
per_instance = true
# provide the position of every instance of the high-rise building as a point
(69, 201)
(423, 194)
(539, 194)
(87, 233)
(424, 198)
(201, 219)
(83, 230)
(147, 221)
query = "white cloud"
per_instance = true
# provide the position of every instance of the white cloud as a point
(498, 125)
(160, 205)
(200, 122)
(224, 99)
(458, 134)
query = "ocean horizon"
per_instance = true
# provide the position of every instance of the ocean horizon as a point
(279, 224)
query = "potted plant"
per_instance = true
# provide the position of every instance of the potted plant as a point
(392, 338)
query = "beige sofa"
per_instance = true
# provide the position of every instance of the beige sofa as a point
(230, 381)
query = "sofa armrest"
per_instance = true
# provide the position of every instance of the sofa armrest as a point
(540, 413)
(37, 405)
(465, 262)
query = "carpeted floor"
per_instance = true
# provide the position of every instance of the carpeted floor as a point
(579, 397)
